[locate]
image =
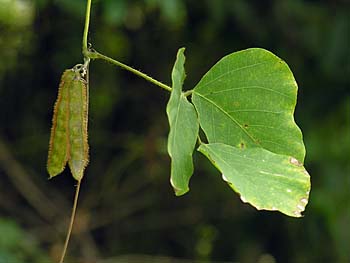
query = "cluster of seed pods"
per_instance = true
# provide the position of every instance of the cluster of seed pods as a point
(69, 137)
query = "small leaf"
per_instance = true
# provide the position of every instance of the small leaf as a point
(183, 129)
(247, 99)
(264, 179)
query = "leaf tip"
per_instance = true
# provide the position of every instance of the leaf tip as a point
(178, 191)
(181, 50)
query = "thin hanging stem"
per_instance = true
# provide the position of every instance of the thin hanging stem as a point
(69, 232)
(77, 190)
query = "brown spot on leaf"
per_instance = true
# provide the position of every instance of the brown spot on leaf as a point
(294, 161)
(303, 200)
(236, 104)
(297, 213)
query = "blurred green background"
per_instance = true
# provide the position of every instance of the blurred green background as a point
(127, 210)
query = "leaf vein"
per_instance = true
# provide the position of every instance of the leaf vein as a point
(230, 117)
(234, 70)
(249, 87)
(256, 110)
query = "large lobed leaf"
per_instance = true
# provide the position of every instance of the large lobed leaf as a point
(247, 100)
(245, 105)
(183, 129)
(264, 179)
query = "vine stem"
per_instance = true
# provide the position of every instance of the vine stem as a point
(89, 54)
(97, 55)
(69, 232)
(86, 27)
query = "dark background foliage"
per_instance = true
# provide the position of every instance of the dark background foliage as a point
(127, 210)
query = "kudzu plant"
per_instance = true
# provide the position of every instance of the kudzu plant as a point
(244, 105)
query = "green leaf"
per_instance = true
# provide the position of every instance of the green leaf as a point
(247, 99)
(264, 179)
(183, 129)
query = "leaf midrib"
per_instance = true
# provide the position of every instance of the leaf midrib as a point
(249, 87)
(229, 116)
(176, 129)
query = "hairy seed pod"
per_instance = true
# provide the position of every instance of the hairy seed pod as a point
(59, 140)
(78, 120)
(69, 140)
